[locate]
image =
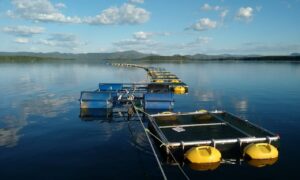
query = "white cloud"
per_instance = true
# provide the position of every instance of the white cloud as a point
(22, 40)
(45, 11)
(137, 1)
(204, 24)
(203, 40)
(60, 5)
(142, 35)
(147, 45)
(23, 30)
(133, 42)
(125, 14)
(40, 10)
(207, 7)
(141, 41)
(245, 13)
(67, 41)
(164, 33)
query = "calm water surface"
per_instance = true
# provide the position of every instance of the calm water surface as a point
(42, 136)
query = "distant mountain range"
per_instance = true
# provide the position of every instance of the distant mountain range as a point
(295, 54)
(87, 56)
(137, 56)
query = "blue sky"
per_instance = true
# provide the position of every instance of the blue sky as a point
(268, 27)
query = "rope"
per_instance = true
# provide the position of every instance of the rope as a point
(151, 145)
(162, 143)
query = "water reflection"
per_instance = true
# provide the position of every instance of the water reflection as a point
(204, 95)
(45, 105)
(204, 167)
(92, 114)
(241, 105)
(220, 101)
(262, 162)
(9, 135)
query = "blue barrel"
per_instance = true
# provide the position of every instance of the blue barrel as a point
(110, 87)
(92, 99)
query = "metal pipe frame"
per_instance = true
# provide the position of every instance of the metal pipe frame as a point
(250, 139)
(192, 125)
(222, 141)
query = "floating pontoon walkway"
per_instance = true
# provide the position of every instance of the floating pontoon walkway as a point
(161, 76)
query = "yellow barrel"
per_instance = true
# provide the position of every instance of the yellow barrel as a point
(205, 116)
(175, 81)
(203, 154)
(167, 115)
(158, 80)
(202, 111)
(261, 151)
(179, 90)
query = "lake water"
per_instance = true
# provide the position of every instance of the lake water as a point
(42, 136)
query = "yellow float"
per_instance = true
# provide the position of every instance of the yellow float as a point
(261, 151)
(202, 111)
(175, 81)
(159, 80)
(203, 155)
(179, 90)
(205, 116)
(167, 116)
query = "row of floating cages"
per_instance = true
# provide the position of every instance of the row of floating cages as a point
(207, 139)
(142, 88)
(160, 73)
(153, 72)
(176, 88)
(164, 77)
(155, 69)
(129, 65)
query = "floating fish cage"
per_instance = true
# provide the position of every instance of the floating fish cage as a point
(180, 132)
(119, 96)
